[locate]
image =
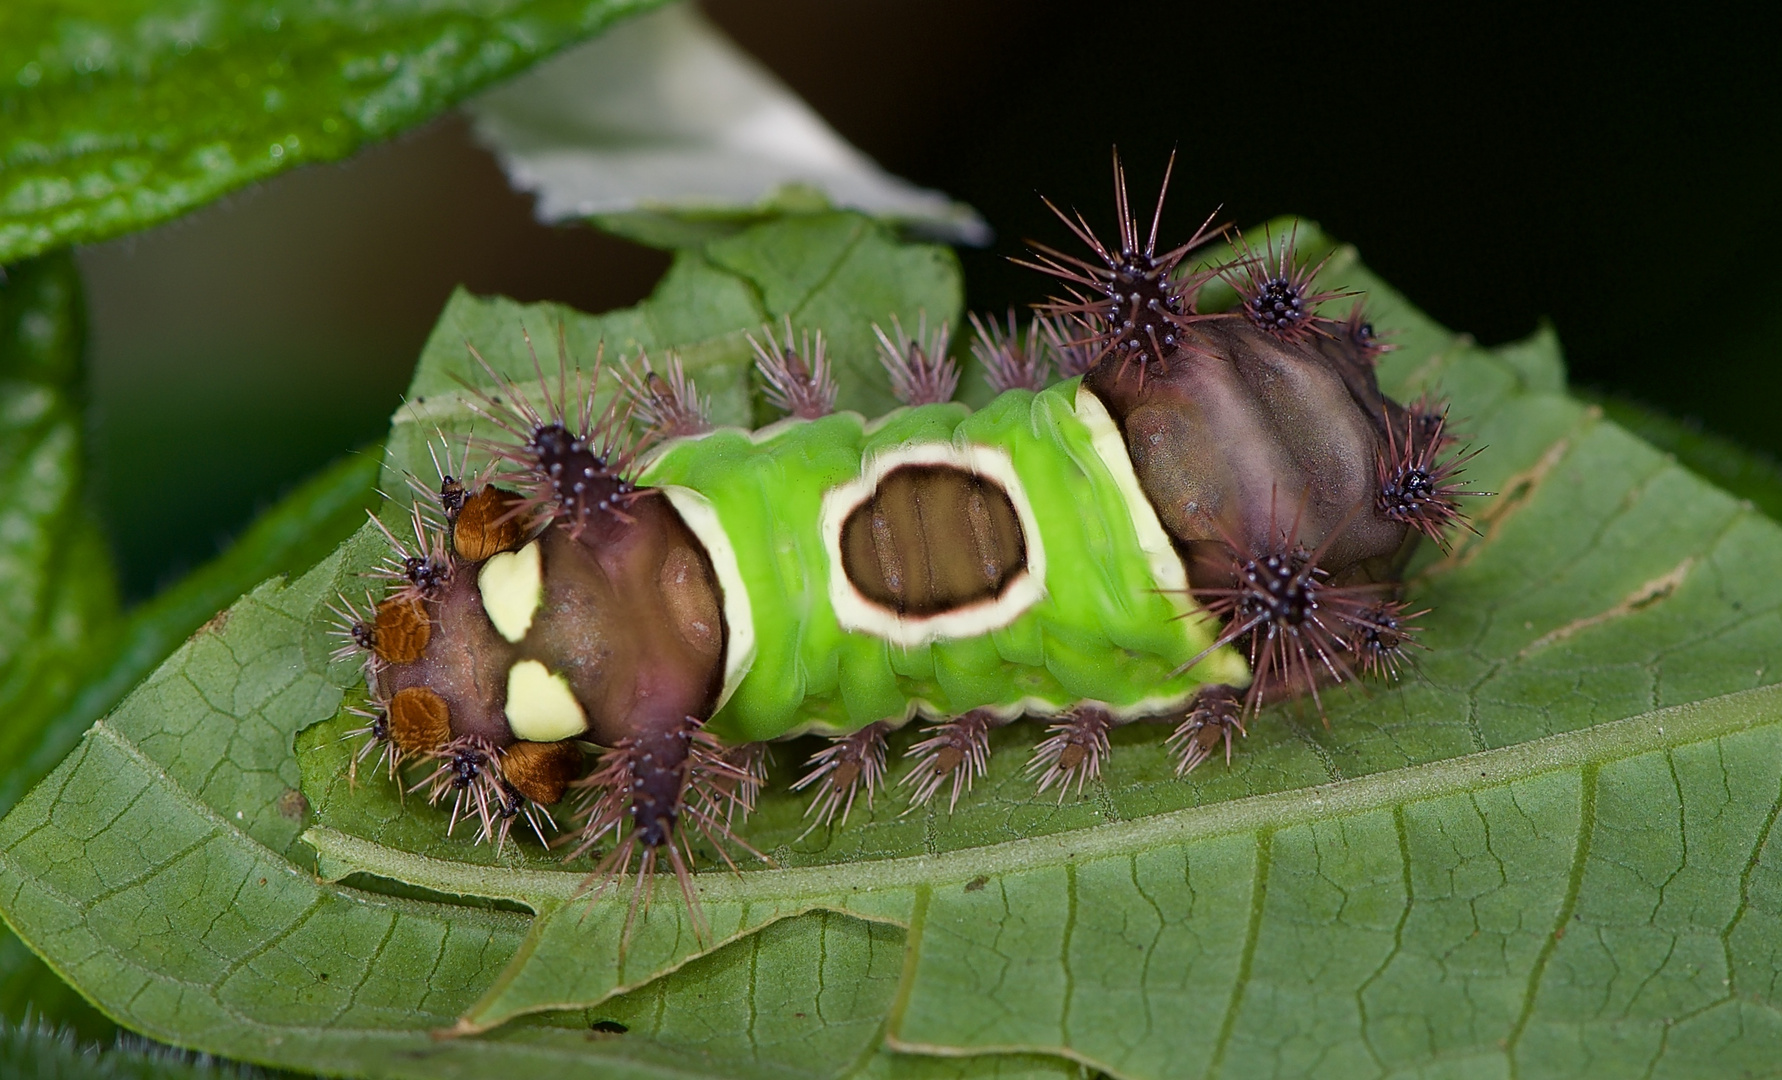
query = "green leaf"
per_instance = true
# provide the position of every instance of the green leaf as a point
(1548, 852)
(835, 272)
(279, 968)
(1745, 473)
(72, 686)
(123, 113)
(1475, 908)
(303, 528)
(67, 655)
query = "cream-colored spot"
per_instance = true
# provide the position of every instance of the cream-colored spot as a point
(540, 705)
(512, 584)
(1160, 552)
(701, 517)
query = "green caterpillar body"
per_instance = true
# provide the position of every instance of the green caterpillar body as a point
(1098, 609)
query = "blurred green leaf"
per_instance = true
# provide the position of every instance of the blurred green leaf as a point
(123, 113)
(58, 595)
(38, 1053)
(1548, 852)
(58, 598)
(675, 228)
(295, 534)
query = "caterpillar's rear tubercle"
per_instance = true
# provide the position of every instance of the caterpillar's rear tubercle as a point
(597, 633)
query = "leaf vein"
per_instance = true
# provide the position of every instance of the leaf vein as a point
(1575, 882)
(1258, 895)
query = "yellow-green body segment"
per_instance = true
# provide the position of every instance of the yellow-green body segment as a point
(1101, 614)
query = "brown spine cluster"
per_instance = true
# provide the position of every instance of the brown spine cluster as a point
(1127, 304)
(795, 373)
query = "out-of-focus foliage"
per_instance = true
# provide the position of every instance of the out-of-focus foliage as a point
(117, 114)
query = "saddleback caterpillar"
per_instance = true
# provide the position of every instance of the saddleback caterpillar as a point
(597, 632)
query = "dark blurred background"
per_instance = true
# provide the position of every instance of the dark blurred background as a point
(1620, 177)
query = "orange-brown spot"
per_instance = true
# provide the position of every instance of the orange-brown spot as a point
(540, 771)
(401, 630)
(487, 525)
(419, 720)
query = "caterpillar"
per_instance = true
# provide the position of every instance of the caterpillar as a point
(1204, 511)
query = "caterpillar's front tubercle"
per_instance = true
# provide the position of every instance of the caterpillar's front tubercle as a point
(1212, 511)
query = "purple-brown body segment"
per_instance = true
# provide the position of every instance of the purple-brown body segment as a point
(629, 617)
(465, 662)
(1240, 433)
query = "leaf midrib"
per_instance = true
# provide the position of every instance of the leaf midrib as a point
(1660, 729)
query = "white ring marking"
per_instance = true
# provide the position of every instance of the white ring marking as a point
(855, 611)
